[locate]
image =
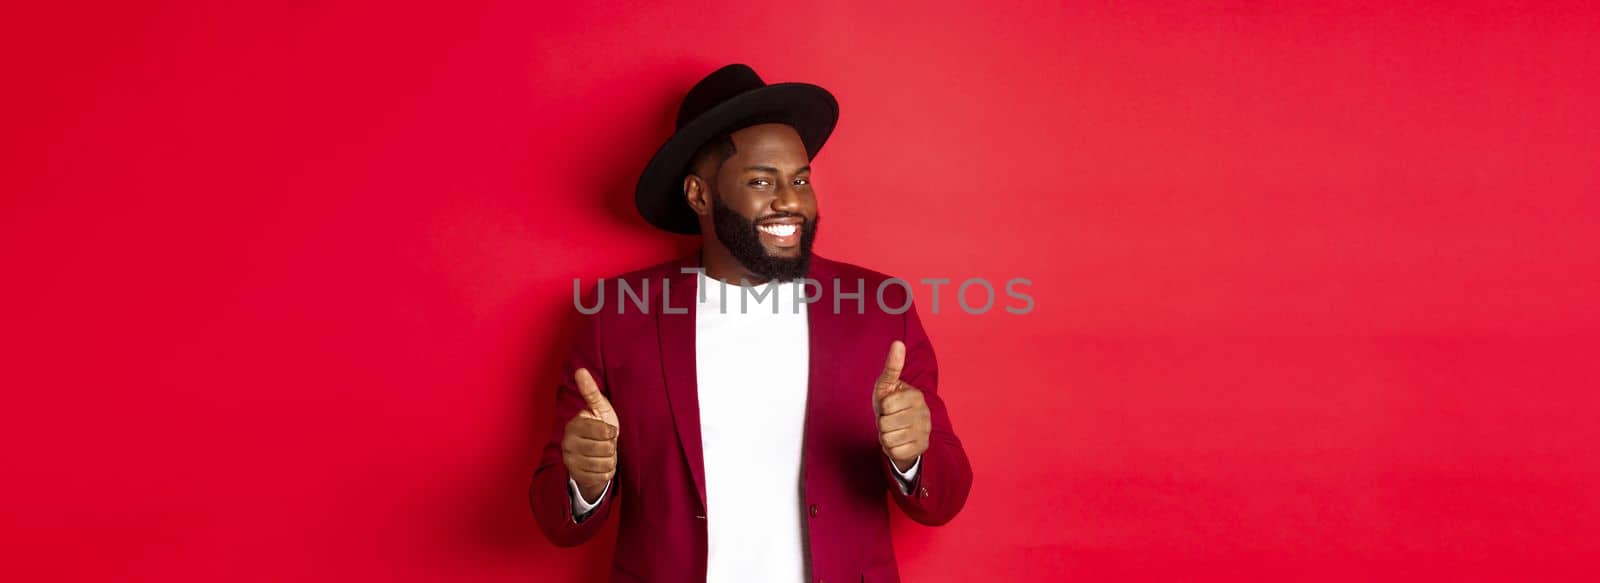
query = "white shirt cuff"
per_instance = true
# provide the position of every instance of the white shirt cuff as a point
(904, 479)
(581, 507)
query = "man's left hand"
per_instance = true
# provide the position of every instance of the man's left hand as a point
(903, 419)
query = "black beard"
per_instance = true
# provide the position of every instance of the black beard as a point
(740, 237)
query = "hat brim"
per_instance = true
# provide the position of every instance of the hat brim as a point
(659, 194)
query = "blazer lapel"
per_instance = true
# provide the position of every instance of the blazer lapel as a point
(825, 329)
(676, 338)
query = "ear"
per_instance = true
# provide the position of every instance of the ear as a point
(696, 193)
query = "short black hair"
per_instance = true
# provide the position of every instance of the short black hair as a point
(720, 147)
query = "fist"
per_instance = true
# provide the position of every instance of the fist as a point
(589, 446)
(904, 422)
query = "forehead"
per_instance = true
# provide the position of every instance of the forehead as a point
(773, 143)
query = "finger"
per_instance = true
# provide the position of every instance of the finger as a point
(593, 448)
(907, 452)
(892, 367)
(900, 400)
(592, 465)
(901, 420)
(898, 437)
(592, 429)
(591, 393)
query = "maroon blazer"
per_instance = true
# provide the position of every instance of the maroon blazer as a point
(645, 364)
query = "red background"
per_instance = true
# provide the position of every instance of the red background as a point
(286, 284)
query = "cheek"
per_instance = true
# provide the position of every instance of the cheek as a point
(808, 204)
(742, 201)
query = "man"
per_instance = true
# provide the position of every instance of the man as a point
(752, 415)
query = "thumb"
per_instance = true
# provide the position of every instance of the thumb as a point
(890, 379)
(598, 404)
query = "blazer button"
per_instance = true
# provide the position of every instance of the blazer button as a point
(923, 492)
(813, 509)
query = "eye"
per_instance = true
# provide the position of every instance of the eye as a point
(760, 182)
(802, 181)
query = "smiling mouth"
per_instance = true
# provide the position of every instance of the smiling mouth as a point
(779, 230)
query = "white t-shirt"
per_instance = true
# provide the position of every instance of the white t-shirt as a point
(752, 367)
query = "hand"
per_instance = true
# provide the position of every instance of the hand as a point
(903, 418)
(589, 447)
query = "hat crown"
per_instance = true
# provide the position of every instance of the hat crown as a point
(726, 100)
(720, 86)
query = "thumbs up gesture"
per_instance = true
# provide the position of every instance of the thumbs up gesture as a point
(589, 446)
(903, 419)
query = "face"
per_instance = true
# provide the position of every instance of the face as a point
(761, 203)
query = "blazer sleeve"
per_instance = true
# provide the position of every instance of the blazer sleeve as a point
(548, 494)
(945, 476)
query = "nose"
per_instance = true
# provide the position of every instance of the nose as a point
(787, 199)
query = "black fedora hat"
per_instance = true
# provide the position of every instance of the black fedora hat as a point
(728, 99)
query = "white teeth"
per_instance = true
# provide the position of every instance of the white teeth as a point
(779, 230)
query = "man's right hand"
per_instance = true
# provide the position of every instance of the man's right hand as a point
(589, 447)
